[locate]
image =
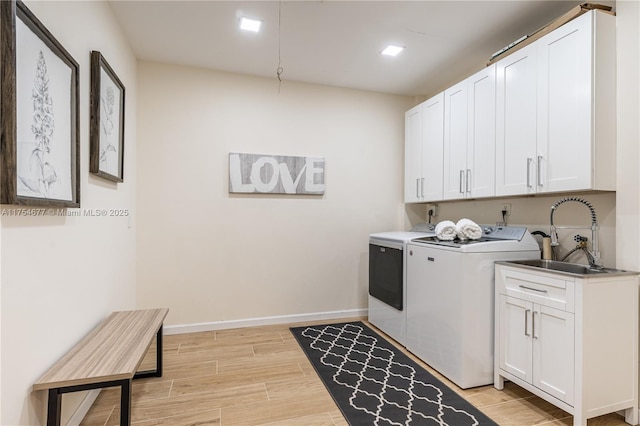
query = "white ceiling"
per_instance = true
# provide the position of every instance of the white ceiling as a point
(336, 42)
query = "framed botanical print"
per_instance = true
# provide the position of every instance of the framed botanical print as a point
(106, 157)
(39, 141)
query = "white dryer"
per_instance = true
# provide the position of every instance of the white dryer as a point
(387, 279)
(450, 303)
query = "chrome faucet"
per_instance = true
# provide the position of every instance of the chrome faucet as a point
(593, 255)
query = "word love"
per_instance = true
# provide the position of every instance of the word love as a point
(274, 174)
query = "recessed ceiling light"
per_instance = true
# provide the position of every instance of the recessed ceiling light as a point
(392, 50)
(250, 24)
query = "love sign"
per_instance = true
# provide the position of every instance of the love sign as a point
(275, 174)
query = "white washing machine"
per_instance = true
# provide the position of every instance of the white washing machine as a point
(450, 300)
(387, 279)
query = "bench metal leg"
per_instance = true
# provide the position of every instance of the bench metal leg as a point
(55, 399)
(54, 407)
(158, 371)
(159, 352)
(125, 403)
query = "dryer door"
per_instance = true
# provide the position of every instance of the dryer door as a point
(385, 274)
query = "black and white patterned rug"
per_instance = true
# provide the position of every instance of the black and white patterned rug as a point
(374, 383)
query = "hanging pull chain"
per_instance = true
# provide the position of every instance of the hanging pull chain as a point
(280, 69)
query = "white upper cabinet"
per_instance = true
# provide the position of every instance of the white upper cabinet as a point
(556, 111)
(576, 106)
(455, 141)
(432, 147)
(424, 126)
(469, 134)
(481, 130)
(540, 120)
(413, 176)
(516, 122)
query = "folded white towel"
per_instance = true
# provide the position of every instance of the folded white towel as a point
(446, 230)
(468, 229)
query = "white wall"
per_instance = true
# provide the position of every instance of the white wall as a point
(210, 256)
(628, 194)
(61, 276)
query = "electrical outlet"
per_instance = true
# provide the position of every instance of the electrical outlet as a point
(432, 208)
(506, 207)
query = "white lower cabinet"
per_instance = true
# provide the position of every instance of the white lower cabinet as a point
(538, 345)
(568, 339)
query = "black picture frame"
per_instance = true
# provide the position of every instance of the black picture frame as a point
(40, 135)
(106, 150)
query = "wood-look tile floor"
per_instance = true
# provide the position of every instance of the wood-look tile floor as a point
(260, 376)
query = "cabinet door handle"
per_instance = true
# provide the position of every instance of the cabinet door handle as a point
(540, 170)
(533, 325)
(422, 187)
(532, 289)
(417, 187)
(526, 322)
(529, 160)
(468, 180)
(462, 181)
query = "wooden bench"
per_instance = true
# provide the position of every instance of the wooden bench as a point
(110, 355)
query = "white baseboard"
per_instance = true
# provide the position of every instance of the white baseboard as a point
(84, 407)
(252, 322)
